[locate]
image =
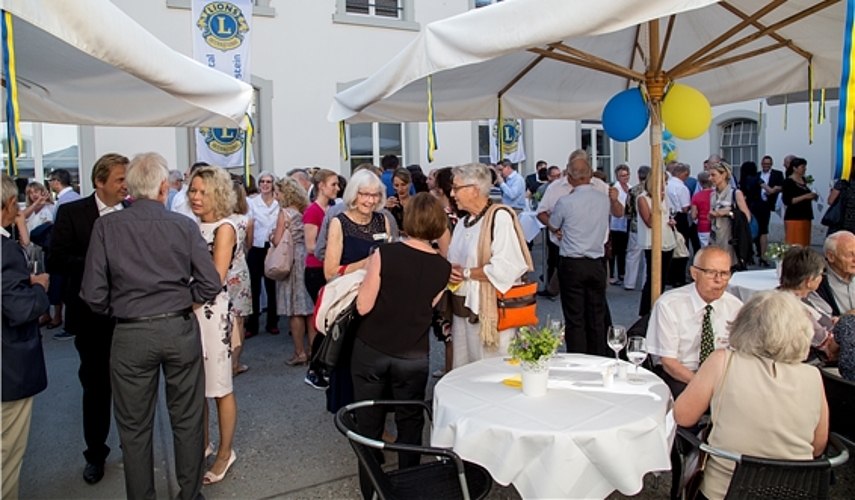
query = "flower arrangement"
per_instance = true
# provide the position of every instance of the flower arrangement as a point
(808, 179)
(534, 344)
(776, 251)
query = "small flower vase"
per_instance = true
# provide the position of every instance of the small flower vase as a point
(534, 377)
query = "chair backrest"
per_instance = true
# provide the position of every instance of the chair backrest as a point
(758, 479)
(366, 455)
(840, 394)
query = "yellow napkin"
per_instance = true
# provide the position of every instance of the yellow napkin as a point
(453, 287)
(513, 361)
(515, 381)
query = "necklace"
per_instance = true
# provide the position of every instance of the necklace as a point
(470, 221)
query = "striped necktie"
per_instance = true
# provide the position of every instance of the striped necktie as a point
(707, 334)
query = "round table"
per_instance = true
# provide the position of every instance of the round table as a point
(746, 283)
(580, 440)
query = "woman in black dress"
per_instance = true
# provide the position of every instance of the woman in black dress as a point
(391, 346)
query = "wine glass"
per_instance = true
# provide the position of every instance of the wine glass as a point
(616, 338)
(636, 351)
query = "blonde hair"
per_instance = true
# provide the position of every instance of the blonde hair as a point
(37, 186)
(723, 168)
(292, 194)
(772, 324)
(218, 185)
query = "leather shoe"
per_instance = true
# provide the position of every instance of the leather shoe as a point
(93, 473)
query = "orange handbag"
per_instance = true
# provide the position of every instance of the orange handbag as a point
(518, 306)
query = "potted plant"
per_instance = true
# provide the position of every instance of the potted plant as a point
(533, 346)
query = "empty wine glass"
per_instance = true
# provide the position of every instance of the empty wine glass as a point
(616, 338)
(636, 351)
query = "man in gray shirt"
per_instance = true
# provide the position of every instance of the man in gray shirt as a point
(582, 220)
(157, 267)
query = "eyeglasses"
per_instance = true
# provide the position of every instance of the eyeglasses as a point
(712, 273)
(458, 188)
(268, 181)
(375, 196)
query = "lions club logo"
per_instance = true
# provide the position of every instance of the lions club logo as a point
(224, 141)
(223, 25)
(508, 133)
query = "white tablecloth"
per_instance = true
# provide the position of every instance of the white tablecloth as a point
(580, 440)
(530, 225)
(747, 283)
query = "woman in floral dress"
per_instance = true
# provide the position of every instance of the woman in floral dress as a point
(212, 200)
(237, 280)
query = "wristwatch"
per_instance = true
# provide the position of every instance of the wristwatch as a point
(467, 273)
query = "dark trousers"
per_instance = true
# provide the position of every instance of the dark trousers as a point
(552, 259)
(620, 239)
(255, 261)
(315, 280)
(583, 301)
(140, 351)
(93, 347)
(644, 306)
(372, 372)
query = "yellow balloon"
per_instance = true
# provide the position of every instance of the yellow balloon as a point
(671, 156)
(686, 112)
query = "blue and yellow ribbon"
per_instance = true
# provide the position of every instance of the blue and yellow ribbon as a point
(846, 121)
(499, 123)
(820, 119)
(247, 148)
(342, 140)
(810, 102)
(13, 117)
(431, 122)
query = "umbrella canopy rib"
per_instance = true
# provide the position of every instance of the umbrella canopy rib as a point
(731, 60)
(795, 48)
(522, 73)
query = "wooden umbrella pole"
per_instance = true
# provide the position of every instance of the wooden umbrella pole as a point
(655, 84)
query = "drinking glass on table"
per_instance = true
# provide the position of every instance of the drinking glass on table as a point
(636, 352)
(616, 338)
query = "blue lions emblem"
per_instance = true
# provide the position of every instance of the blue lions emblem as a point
(223, 26)
(224, 141)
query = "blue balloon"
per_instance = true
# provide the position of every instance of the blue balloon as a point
(666, 136)
(626, 115)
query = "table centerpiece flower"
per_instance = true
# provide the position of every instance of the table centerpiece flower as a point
(775, 252)
(533, 346)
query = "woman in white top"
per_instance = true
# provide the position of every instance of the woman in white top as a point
(618, 231)
(264, 209)
(644, 206)
(39, 212)
(473, 327)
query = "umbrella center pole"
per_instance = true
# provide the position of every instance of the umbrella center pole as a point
(656, 91)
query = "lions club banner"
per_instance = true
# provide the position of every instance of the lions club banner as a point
(221, 40)
(510, 134)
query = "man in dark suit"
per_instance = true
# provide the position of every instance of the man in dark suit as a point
(93, 332)
(24, 375)
(534, 180)
(771, 184)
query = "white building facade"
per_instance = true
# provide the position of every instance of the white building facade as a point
(304, 51)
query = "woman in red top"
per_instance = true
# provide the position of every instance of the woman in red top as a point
(701, 208)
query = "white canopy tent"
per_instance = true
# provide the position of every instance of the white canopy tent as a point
(564, 59)
(86, 62)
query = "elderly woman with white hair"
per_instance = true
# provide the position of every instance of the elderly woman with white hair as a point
(488, 253)
(353, 235)
(765, 402)
(264, 210)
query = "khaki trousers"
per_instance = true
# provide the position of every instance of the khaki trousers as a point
(16, 428)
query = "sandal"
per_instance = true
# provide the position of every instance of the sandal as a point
(298, 360)
(240, 369)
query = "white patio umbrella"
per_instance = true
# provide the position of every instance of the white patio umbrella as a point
(86, 62)
(564, 59)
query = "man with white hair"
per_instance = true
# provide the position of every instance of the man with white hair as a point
(689, 322)
(838, 284)
(150, 288)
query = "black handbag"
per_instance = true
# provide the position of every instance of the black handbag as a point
(337, 345)
(834, 215)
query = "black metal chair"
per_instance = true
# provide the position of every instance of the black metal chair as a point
(446, 477)
(757, 478)
(840, 394)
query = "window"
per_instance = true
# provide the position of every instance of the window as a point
(739, 141)
(484, 3)
(369, 142)
(484, 142)
(396, 14)
(47, 147)
(598, 145)
(381, 8)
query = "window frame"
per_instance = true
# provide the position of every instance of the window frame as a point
(593, 127)
(405, 22)
(375, 145)
(724, 150)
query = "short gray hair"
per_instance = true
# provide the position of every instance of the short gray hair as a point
(830, 245)
(474, 173)
(579, 169)
(267, 173)
(176, 176)
(772, 324)
(145, 174)
(359, 181)
(700, 254)
(704, 179)
(680, 168)
(577, 154)
(9, 189)
(800, 264)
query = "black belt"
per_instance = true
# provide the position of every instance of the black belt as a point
(581, 258)
(142, 319)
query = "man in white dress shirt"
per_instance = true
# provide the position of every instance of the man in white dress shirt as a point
(685, 318)
(680, 200)
(180, 203)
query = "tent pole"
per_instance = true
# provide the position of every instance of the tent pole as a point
(656, 89)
